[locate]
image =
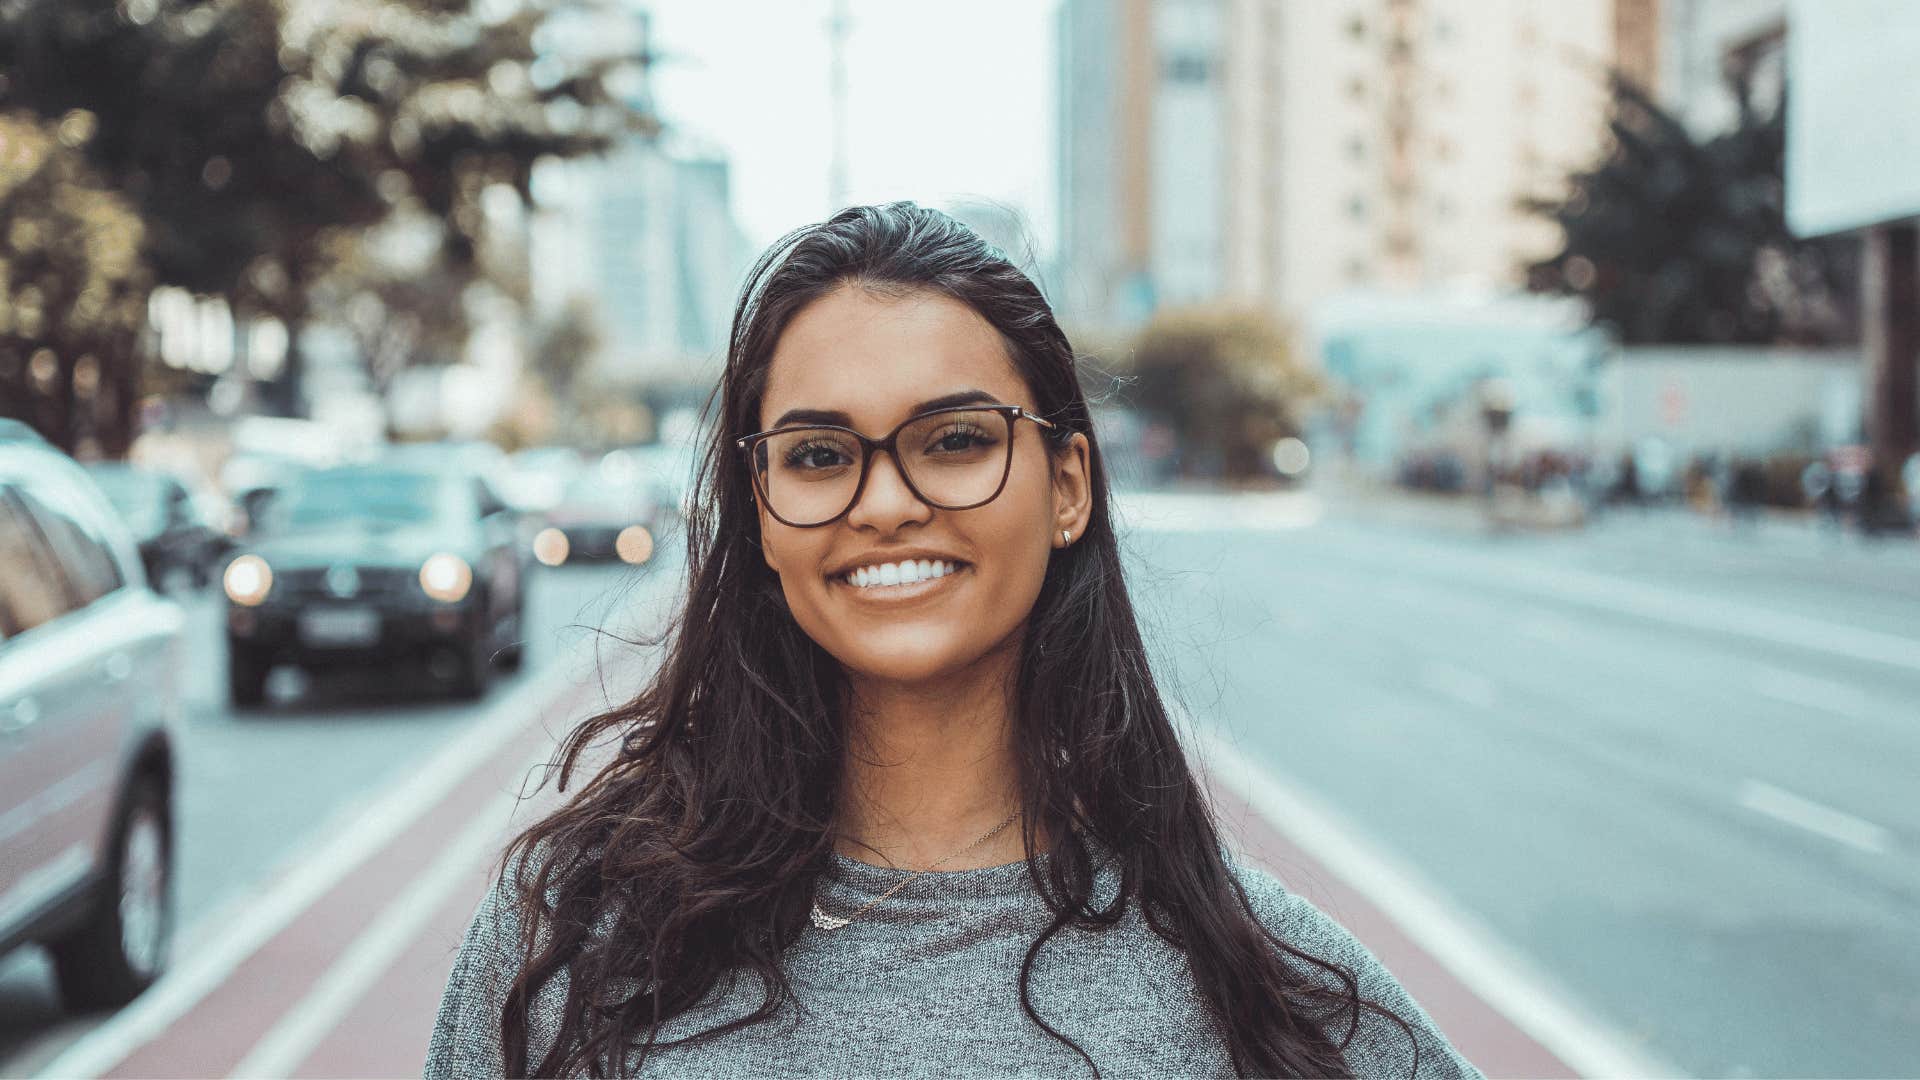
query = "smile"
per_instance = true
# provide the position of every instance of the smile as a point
(900, 575)
(901, 581)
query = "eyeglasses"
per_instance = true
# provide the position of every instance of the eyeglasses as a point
(951, 459)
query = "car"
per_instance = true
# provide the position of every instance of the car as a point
(90, 707)
(177, 545)
(601, 517)
(401, 557)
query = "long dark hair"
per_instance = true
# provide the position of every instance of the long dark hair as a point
(702, 839)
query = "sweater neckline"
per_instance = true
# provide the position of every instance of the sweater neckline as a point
(852, 880)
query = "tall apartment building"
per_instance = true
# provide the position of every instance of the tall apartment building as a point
(1276, 152)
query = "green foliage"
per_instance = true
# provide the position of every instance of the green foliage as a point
(73, 289)
(1671, 239)
(1226, 380)
(260, 140)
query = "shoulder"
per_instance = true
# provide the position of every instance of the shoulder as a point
(466, 1033)
(1380, 1047)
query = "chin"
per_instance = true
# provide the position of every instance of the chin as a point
(906, 663)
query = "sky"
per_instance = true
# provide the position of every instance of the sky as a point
(946, 98)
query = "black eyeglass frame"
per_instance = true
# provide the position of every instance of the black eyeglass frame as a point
(1013, 413)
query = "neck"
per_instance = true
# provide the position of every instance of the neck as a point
(930, 769)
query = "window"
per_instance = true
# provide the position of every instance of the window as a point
(81, 551)
(32, 589)
(1187, 69)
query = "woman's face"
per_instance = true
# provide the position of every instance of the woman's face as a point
(876, 360)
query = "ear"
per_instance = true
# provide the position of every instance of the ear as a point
(1072, 490)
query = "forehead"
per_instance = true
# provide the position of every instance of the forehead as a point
(875, 356)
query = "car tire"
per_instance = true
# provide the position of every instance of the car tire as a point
(511, 656)
(473, 669)
(513, 653)
(246, 679)
(122, 947)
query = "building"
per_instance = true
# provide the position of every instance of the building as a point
(646, 235)
(1278, 153)
(1705, 45)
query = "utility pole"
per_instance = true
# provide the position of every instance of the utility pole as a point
(839, 22)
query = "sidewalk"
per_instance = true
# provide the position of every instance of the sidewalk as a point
(337, 967)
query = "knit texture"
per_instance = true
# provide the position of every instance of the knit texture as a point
(927, 983)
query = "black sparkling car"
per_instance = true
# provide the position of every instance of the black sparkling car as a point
(407, 559)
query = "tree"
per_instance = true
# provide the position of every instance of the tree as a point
(258, 140)
(73, 289)
(1671, 239)
(1225, 380)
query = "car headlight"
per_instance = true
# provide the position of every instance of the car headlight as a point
(634, 544)
(446, 577)
(551, 546)
(248, 580)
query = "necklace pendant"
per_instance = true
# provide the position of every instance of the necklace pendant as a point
(827, 922)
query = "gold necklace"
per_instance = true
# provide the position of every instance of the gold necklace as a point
(834, 922)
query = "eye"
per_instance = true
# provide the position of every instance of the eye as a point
(814, 454)
(959, 438)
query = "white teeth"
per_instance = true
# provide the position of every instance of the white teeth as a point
(900, 573)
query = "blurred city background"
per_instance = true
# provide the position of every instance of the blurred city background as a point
(1514, 405)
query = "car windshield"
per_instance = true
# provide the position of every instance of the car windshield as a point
(139, 497)
(362, 496)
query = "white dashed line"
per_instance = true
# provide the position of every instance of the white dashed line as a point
(1836, 825)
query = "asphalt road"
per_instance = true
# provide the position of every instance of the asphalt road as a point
(257, 789)
(1672, 765)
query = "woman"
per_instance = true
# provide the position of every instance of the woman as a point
(902, 796)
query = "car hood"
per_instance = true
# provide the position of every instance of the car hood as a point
(359, 544)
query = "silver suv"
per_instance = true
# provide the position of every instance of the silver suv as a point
(89, 656)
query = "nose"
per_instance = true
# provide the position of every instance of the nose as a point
(886, 502)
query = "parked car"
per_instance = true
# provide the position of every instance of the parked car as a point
(89, 706)
(399, 558)
(177, 545)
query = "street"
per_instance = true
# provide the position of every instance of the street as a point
(1672, 767)
(1666, 766)
(261, 792)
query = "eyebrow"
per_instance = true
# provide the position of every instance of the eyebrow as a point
(835, 416)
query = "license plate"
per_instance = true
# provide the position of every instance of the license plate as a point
(340, 626)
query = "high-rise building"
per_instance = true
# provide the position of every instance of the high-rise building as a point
(1275, 152)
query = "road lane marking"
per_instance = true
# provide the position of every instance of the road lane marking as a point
(1812, 692)
(1837, 825)
(1702, 612)
(301, 1028)
(353, 837)
(1275, 511)
(1494, 971)
(1469, 688)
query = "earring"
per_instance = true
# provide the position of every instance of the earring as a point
(1066, 537)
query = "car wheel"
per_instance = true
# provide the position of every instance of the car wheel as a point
(122, 947)
(473, 667)
(246, 679)
(513, 653)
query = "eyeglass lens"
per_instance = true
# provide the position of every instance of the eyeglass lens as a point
(954, 460)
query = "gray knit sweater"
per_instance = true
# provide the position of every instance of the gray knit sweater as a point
(927, 983)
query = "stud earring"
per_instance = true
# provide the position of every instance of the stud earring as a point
(1066, 537)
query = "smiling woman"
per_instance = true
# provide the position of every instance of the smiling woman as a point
(902, 797)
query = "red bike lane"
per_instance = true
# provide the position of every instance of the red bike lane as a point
(349, 985)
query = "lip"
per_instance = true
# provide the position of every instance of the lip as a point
(888, 596)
